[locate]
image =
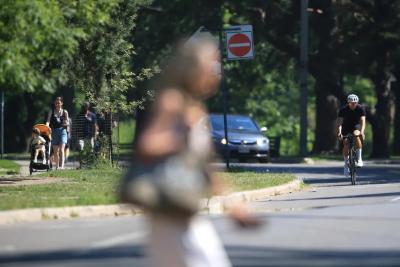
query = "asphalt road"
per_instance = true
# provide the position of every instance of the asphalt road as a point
(329, 223)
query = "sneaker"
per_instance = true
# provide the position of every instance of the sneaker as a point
(359, 163)
(35, 161)
(44, 161)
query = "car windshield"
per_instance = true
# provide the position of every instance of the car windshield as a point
(239, 123)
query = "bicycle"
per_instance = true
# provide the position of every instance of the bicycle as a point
(352, 158)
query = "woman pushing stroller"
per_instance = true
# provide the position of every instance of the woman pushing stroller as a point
(58, 120)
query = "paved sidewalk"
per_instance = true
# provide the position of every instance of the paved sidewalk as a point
(72, 164)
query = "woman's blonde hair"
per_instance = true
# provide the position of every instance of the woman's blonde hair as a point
(184, 65)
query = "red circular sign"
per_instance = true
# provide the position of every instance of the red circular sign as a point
(239, 44)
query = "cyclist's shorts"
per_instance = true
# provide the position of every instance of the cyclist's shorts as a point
(346, 131)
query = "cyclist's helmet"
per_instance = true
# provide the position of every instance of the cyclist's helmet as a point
(352, 98)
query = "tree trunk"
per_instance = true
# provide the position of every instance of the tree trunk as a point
(380, 120)
(325, 67)
(31, 115)
(396, 132)
(68, 94)
(378, 53)
(327, 105)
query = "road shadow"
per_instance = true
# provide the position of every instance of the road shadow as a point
(241, 256)
(245, 256)
(333, 175)
(361, 180)
(387, 194)
(132, 255)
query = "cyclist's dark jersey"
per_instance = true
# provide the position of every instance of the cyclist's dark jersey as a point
(350, 118)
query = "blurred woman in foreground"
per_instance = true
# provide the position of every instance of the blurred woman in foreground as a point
(178, 122)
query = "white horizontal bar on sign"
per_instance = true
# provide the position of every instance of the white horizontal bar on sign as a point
(239, 45)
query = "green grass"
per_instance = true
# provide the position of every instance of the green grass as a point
(8, 167)
(125, 139)
(241, 180)
(99, 186)
(81, 187)
(126, 132)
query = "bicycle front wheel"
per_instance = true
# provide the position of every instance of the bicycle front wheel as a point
(352, 167)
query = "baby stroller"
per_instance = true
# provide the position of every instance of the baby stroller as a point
(41, 165)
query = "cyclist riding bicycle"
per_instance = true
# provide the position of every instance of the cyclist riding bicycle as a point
(351, 120)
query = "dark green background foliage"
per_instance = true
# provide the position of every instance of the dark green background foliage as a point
(106, 51)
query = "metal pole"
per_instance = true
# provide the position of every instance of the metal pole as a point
(225, 100)
(110, 138)
(2, 123)
(303, 76)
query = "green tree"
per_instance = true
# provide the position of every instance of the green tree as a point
(101, 68)
(159, 28)
(373, 35)
(35, 41)
(40, 43)
(396, 91)
(36, 38)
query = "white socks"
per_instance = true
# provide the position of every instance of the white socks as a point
(358, 154)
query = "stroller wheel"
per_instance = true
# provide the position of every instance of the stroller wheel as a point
(30, 170)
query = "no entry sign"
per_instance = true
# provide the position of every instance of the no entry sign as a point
(239, 42)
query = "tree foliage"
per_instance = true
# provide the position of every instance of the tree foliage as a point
(349, 41)
(101, 68)
(48, 47)
(106, 50)
(38, 37)
(33, 35)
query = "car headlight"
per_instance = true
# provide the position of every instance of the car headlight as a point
(261, 141)
(223, 141)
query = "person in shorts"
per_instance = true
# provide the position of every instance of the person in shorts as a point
(58, 120)
(86, 127)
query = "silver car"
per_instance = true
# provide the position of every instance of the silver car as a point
(245, 138)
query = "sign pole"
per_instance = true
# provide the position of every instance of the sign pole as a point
(225, 101)
(303, 77)
(205, 32)
(239, 46)
(2, 123)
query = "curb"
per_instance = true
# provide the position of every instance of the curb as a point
(218, 204)
(214, 205)
(38, 214)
